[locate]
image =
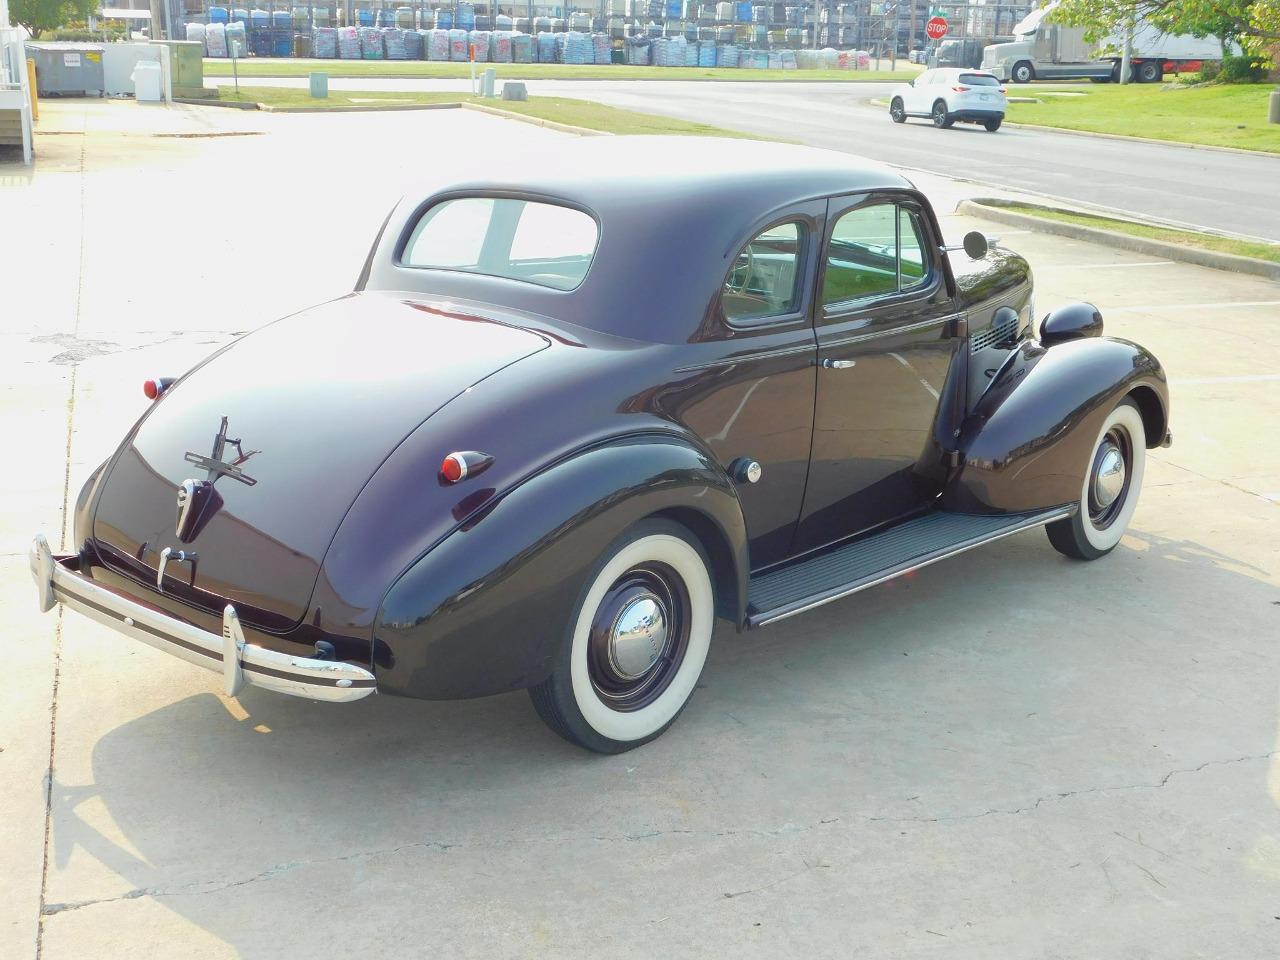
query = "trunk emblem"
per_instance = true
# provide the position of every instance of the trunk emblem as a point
(197, 499)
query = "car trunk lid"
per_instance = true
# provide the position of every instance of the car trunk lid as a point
(312, 405)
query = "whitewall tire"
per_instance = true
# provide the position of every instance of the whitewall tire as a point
(637, 642)
(1109, 495)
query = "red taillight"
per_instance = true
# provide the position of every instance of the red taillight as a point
(462, 464)
(960, 89)
(154, 387)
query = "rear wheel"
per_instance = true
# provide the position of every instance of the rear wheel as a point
(941, 118)
(993, 125)
(1150, 71)
(1112, 482)
(898, 111)
(637, 642)
(1023, 72)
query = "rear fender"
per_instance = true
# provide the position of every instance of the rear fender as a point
(1028, 440)
(484, 611)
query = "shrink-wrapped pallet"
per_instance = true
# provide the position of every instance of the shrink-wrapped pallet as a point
(371, 44)
(479, 40)
(727, 55)
(414, 45)
(393, 43)
(500, 46)
(215, 40)
(706, 53)
(349, 43)
(195, 33)
(325, 44)
(600, 48)
(522, 50)
(237, 39)
(546, 47)
(458, 45)
(437, 44)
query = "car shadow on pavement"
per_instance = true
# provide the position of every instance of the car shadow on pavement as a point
(933, 693)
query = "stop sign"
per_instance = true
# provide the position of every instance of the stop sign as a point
(936, 28)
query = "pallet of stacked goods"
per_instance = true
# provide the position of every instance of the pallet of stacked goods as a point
(458, 45)
(414, 45)
(371, 44)
(500, 46)
(195, 33)
(393, 43)
(349, 43)
(479, 40)
(522, 48)
(437, 44)
(215, 40)
(325, 44)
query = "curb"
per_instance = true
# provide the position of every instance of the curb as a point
(1165, 143)
(536, 121)
(371, 108)
(990, 209)
(233, 104)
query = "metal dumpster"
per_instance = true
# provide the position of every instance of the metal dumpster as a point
(67, 69)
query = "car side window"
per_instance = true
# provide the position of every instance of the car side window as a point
(763, 280)
(875, 250)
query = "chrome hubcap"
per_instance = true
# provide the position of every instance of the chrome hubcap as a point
(1108, 478)
(638, 637)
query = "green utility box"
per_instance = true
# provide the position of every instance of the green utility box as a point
(186, 57)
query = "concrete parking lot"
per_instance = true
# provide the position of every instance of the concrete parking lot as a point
(1008, 755)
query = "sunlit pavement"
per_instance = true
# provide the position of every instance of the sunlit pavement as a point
(1006, 755)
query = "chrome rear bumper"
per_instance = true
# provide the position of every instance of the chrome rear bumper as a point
(238, 662)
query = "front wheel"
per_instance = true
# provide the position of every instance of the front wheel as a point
(637, 642)
(1023, 72)
(993, 125)
(1112, 481)
(897, 111)
(941, 119)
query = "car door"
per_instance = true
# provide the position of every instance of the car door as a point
(749, 397)
(886, 332)
(916, 94)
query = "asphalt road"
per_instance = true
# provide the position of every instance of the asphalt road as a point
(1208, 189)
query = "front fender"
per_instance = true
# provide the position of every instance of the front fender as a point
(1028, 441)
(485, 610)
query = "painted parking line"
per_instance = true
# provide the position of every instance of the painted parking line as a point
(1243, 378)
(1196, 306)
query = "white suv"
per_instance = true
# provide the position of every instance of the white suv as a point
(948, 94)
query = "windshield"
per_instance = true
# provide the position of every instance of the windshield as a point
(979, 80)
(1031, 22)
(535, 242)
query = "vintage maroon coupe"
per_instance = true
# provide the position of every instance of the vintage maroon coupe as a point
(569, 418)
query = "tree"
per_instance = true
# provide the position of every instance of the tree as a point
(1251, 23)
(41, 15)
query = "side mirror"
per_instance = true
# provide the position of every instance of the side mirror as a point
(1075, 321)
(976, 245)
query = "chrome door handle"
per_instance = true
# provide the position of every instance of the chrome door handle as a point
(838, 364)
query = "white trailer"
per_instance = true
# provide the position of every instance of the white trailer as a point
(1050, 51)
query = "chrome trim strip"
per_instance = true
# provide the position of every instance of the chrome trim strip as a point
(807, 347)
(239, 662)
(828, 596)
(876, 335)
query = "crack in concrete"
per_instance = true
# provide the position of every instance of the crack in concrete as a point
(202, 887)
(1065, 795)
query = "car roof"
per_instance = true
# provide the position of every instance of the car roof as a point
(672, 212)
(604, 173)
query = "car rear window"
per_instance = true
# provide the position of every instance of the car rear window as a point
(528, 240)
(979, 80)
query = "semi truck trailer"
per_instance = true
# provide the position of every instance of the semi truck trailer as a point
(1051, 51)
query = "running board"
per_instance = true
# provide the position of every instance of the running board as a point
(795, 588)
